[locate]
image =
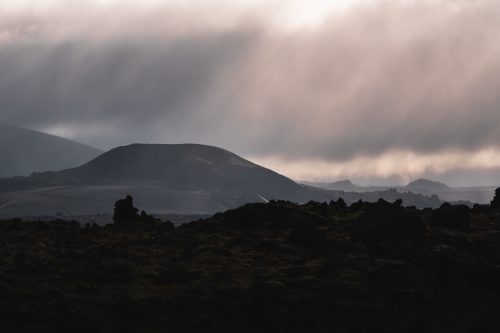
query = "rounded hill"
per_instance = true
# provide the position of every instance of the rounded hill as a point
(186, 167)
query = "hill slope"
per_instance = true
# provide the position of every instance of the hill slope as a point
(186, 167)
(24, 151)
(181, 178)
(184, 178)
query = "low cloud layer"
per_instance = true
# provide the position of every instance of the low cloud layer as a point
(379, 90)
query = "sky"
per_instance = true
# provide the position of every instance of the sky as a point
(379, 92)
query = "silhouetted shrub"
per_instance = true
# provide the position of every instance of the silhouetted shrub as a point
(125, 212)
(358, 206)
(384, 221)
(146, 218)
(340, 204)
(495, 203)
(454, 217)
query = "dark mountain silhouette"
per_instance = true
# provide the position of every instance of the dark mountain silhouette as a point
(180, 178)
(191, 167)
(24, 151)
(183, 178)
(427, 185)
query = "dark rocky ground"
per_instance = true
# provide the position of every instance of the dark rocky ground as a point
(275, 267)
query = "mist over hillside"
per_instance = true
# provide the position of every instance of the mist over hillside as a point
(24, 151)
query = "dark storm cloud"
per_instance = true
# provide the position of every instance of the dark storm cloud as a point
(386, 76)
(129, 81)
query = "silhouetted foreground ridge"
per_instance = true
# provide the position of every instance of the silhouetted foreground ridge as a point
(277, 267)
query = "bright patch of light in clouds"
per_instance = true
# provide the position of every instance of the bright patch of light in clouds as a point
(284, 13)
(310, 13)
(408, 165)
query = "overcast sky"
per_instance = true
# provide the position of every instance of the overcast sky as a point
(374, 91)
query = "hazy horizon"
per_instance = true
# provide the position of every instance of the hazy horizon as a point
(379, 92)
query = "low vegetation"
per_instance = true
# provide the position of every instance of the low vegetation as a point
(277, 267)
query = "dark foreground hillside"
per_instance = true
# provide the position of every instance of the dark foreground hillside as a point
(275, 267)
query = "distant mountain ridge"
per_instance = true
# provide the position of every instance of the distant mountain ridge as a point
(427, 187)
(24, 151)
(418, 184)
(167, 178)
(343, 185)
(426, 184)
